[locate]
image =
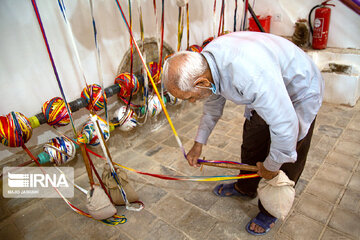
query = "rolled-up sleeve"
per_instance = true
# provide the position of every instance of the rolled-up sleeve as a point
(212, 111)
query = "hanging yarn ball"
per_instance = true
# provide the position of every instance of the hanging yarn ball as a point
(127, 122)
(94, 97)
(55, 112)
(155, 71)
(15, 129)
(61, 150)
(127, 85)
(88, 133)
(154, 106)
(207, 41)
(195, 48)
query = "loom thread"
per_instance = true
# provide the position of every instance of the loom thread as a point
(155, 71)
(55, 112)
(15, 129)
(128, 122)
(94, 97)
(128, 85)
(61, 150)
(195, 48)
(207, 41)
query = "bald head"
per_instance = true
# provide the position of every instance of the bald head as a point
(183, 69)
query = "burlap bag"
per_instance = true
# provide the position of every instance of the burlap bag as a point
(277, 195)
(99, 205)
(112, 188)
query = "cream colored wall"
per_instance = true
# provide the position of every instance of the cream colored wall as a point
(26, 75)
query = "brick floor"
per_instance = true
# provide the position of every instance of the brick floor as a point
(327, 202)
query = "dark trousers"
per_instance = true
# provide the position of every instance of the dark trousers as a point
(255, 148)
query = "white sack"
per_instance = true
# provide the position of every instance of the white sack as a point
(99, 205)
(277, 195)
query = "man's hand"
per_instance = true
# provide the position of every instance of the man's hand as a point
(194, 154)
(264, 173)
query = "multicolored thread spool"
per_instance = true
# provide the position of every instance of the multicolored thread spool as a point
(128, 85)
(154, 106)
(15, 129)
(88, 133)
(94, 97)
(127, 122)
(155, 71)
(207, 41)
(195, 48)
(55, 112)
(61, 150)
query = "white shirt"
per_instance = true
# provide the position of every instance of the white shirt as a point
(270, 75)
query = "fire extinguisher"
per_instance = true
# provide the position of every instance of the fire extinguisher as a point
(320, 32)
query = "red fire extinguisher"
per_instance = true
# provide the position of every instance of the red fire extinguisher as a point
(320, 32)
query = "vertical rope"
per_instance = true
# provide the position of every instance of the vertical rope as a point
(98, 60)
(187, 26)
(162, 38)
(180, 29)
(53, 63)
(235, 12)
(214, 19)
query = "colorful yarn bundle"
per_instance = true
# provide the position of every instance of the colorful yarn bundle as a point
(15, 129)
(127, 122)
(155, 71)
(94, 97)
(127, 85)
(168, 56)
(88, 133)
(61, 150)
(154, 106)
(207, 41)
(55, 112)
(195, 48)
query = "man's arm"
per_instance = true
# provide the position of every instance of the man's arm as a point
(213, 110)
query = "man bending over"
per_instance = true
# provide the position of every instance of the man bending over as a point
(282, 90)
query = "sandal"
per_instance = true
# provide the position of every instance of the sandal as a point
(263, 221)
(227, 190)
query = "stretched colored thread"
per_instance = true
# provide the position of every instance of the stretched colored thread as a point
(98, 60)
(52, 62)
(236, 6)
(221, 20)
(113, 171)
(214, 20)
(151, 79)
(186, 178)
(117, 219)
(98, 177)
(162, 38)
(71, 34)
(187, 26)
(180, 29)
